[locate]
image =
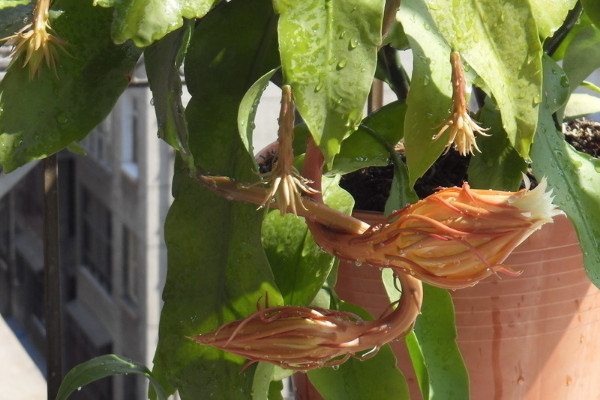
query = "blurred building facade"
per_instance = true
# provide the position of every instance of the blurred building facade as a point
(113, 203)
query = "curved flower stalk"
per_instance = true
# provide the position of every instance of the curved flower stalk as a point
(286, 183)
(304, 338)
(462, 127)
(451, 239)
(35, 42)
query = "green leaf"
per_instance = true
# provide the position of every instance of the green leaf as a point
(550, 14)
(146, 21)
(418, 362)
(580, 105)
(364, 148)
(163, 61)
(430, 93)
(498, 166)
(41, 116)
(574, 178)
(582, 56)
(102, 367)
(299, 265)
(435, 331)
(499, 40)
(217, 271)
(328, 55)
(377, 378)
(249, 107)
(592, 9)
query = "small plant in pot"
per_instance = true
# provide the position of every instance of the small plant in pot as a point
(249, 297)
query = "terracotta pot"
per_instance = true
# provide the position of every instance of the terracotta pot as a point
(535, 336)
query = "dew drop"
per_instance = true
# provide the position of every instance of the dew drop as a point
(352, 44)
(342, 64)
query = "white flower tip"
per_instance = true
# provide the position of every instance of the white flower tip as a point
(537, 203)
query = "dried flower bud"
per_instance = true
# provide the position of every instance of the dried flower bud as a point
(304, 338)
(462, 127)
(451, 239)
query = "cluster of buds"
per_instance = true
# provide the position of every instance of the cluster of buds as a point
(304, 338)
(36, 42)
(452, 238)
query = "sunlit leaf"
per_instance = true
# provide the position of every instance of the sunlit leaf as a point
(580, 105)
(69, 104)
(217, 269)
(573, 176)
(146, 21)
(102, 367)
(429, 98)
(485, 32)
(550, 14)
(328, 54)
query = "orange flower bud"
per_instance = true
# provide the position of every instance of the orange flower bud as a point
(451, 239)
(303, 338)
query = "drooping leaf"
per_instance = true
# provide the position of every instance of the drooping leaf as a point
(102, 367)
(69, 104)
(573, 176)
(328, 55)
(249, 107)
(435, 331)
(429, 98)
(582, 56)
(364, 148)
(376, 378)
(550, 14)
(146, 21)
(499, 40)
(592, 9)
(163, 62)
(299, 265)
(217, 270)
(498, 165)
(580, 105)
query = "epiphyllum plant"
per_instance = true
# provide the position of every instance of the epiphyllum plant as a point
(225, 256)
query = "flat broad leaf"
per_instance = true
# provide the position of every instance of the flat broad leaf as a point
(500, 41)
(41, 116)
(574, 178)
(582, 56)
(592, 9)
(299, 265)
(435, 332)
(580, 105)
(102, 367)
(365, 147)
(429, 97)
(217, 269)
(163, 61)
(146, 21)
(550, 14)
(328, 55)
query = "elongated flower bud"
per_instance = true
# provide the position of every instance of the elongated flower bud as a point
(451, 239)
(303, 338)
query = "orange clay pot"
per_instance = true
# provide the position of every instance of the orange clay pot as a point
(536, 336)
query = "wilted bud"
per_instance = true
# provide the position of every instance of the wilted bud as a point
(451, 239)
(304, 338)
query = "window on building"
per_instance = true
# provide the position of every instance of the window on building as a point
(130, 266)
(4, 231)
(130, 127)
(96, 237)
(98, 144)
